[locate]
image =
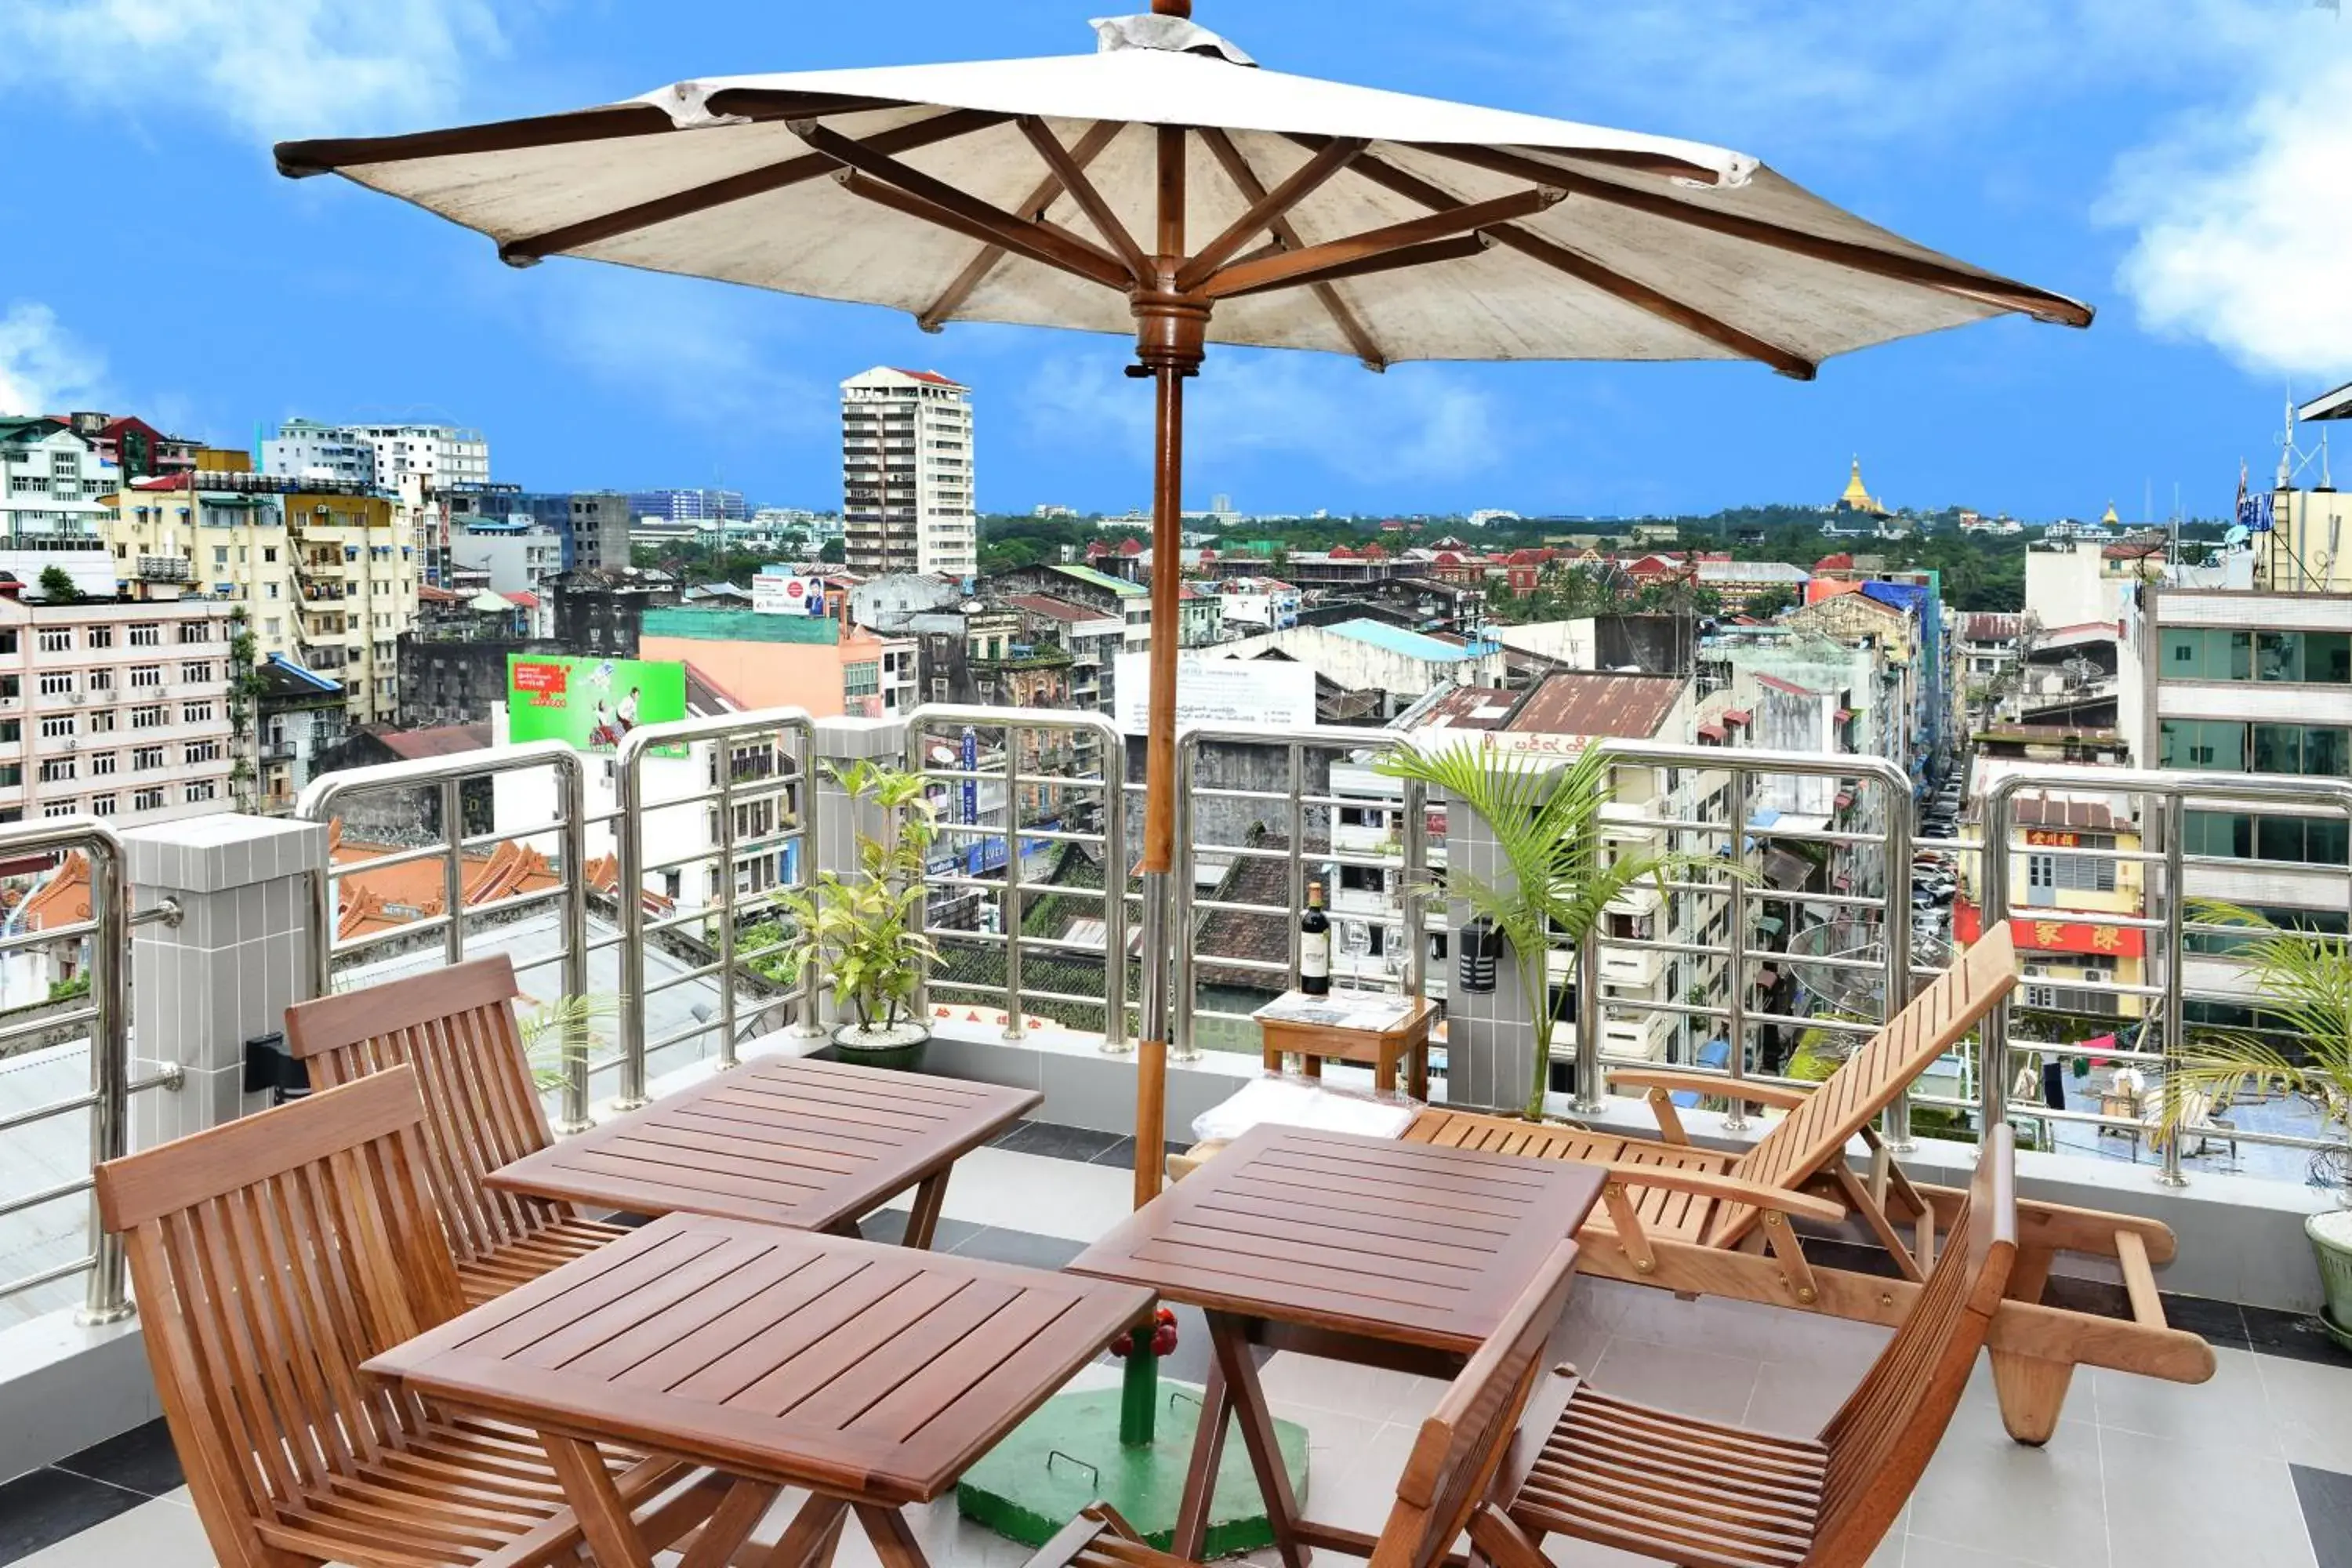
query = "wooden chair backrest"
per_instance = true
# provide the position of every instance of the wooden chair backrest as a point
(272, 1256)
(1464, 1440)
(456, 1027)
(1804, 1141)
(1881, 1439)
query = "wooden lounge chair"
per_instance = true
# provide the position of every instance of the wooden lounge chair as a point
(274, 1256)
(1704, 1222)
(457, 1028)
(1456, 1459)
(1680, 1490)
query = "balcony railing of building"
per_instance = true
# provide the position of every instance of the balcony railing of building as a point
(104, 940)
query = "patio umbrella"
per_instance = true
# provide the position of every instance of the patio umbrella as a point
(1167, 187)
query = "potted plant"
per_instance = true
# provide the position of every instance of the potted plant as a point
(2305, 980)
(1560, 873)
(860, 930)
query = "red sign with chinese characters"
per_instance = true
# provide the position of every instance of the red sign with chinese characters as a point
(2053, 935)
(547, 683)
(2052, 838)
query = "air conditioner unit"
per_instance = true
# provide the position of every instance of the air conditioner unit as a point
(76, 697)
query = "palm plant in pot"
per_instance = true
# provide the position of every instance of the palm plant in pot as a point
(1561, 870)
(860, 932)
(2305, 981)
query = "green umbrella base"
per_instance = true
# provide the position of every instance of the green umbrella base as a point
(1068, 1455)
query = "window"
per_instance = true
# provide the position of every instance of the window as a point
(2204, 745)
(196, 713)
(101, 723)
(196, 669)
(2325, 921)
(146, 675)
(149, 717)
(57, 724)
(197, 631)
(101, 636)
(101, 765)
(146, 759)
(57, 770)
(2222, 653)
(147, 800)
(12, 731)
(56, 682)
(202, 790)
(2075, 873)
(2236, 835)
(2306, 749)
(202, 752)
(60, 808)
(57, 640)
(220, 556)
(12, 776)
(147, 633)
(102, 805)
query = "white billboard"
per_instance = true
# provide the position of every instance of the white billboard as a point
(1220, 691)
(786, 591)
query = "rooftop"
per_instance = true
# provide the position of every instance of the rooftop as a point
(1410, 644)
(1581, 702)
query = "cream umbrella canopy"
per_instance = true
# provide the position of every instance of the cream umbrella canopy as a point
(1166, 186)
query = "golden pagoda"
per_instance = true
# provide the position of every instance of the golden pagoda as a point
(1857, 498)
(2111, 519)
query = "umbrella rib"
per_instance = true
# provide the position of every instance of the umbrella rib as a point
(1039, 240)
(1462, 247)
(967, 283)
(1269, 206)
(1286, 233)
(739, 187)
(2001, 292)
(867, 188)
(1303, 266)
(1560, 259)
(1073, 179)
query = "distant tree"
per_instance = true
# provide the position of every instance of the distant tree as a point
(58, 586)
(833, 553)
(1771, 603)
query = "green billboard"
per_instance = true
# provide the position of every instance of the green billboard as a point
(590, 704)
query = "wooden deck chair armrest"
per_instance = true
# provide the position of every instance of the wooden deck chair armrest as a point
(1769, 1094)
(1728, 1190)
(2056, 1227)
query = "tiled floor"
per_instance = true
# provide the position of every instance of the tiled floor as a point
(2251, 1470)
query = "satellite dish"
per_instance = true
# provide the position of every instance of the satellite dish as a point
(2237, 534)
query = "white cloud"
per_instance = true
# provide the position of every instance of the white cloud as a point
(1418, 422)
(2245, 226)
(42, 369)
(268, 68)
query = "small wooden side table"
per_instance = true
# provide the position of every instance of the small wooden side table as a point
(1380, 1050)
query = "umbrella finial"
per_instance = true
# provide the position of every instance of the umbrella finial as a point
(1179, 8)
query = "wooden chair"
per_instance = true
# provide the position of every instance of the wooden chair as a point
(1704, 1222)
(457, 1028)
(1680, 1490)
(1457, 1457)
(272, 1258)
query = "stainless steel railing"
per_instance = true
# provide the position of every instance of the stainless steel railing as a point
(108, 1013)
(2165, 799)
(1097, 745)
(446, 777)
(746, 770)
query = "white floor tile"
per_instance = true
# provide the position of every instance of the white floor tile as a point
(1369, 1394)
(2312, 1405)
(1687, 1382)
(1038, 1193)
(158, 1535)
(2232, 1412)
(2038, 1505)
(1919, 1553)
(2174, 1505)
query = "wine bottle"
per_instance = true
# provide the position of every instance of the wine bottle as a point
(1314, 945)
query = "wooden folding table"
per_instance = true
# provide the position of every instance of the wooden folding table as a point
(873, 1376)
(788, 1140)
(1360, 1249)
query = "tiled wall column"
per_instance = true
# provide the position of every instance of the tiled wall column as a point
(226, 973)
(1489, 1036)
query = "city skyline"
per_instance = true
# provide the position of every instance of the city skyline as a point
(2081, 150)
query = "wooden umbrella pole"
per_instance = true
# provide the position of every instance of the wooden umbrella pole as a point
(1172, 329)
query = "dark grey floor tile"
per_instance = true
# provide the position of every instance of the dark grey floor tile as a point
(1122, 1154)
(141, 1461)
(2294, 1336)
(1023, 1248)
(2327, 1498)
(1056, 1141)
(44, 1507)
(2219, 1323)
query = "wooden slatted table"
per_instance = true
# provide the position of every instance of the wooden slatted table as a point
(871, 1375)
(1359, 1249)
(789, 1141)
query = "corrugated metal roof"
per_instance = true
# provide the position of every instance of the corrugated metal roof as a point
(1580, 702)
(1398, 640)
(1119, 585)
(1468, 708)
(2079, 816)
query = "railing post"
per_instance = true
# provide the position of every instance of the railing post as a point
(1116, 1041)
(572, 784)
(1010, 901)
(452, 869)
(810, 1024)
(1735, 1118)
(1591, 1082)
(1184, 1044)
(629, 913)
(723, 750)
(1414, 977)
(107, 1298)
(2176, 902)
(1992, 1035)
(1896, 1125)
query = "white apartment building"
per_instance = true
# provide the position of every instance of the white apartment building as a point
(518, 562)
(118, 710)
(52, 483)
(381, 455)
(907, 474)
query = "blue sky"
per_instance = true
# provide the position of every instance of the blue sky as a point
(2186, 167)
